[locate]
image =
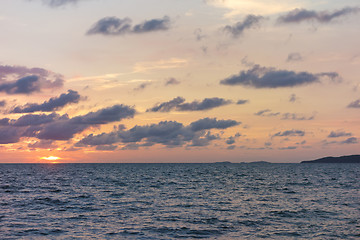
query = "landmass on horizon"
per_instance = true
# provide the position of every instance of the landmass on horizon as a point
(341, 159)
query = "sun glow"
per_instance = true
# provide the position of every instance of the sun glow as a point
(50, 158)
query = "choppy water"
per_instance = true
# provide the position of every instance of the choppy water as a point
(170, 201)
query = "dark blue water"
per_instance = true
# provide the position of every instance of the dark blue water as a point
(179, 201)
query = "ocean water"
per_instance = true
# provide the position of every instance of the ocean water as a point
(179, 201)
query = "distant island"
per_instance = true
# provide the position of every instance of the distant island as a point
(342, 159)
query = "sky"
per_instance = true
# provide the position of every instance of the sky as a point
(178, 80)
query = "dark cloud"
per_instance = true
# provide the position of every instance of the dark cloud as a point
(58, 3)
(288, 148)
(167, 106)
(241, 101)
(300, 15)
(250, 21)
(294, 57)
(33, 119)
(179, 104)
(51, 105)
(3, 103)
(114, 26)
(210, 123)
(65, 129)
(266, 113)
(142, 86)
(355, 104)
(10, 135)
(295, 116)
(167, 133)
(43, 144)
(23, 80)
(289, 133)
(106, 147)
(352, 140)
(172, 81)
(263, 77)
(152, 25)
(339, 134)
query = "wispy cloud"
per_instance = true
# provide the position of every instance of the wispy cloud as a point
(354, 104)
(179, 104)
(161, 64)
(300, 15)
(250, 21)
(267, 77)
(113, 26)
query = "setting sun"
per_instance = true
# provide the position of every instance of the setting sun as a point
(50, 158)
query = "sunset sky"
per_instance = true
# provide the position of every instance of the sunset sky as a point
(179, 80)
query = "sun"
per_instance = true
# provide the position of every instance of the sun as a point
(50, 158)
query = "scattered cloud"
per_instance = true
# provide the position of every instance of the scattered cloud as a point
(43, 144)
(2, 103)
(210, 123)
(242, 101)
(23, 80)
(293, 98)
(199, 34)
(266, 113)
(250, 21)
(167, 133)
(58, 3)
(161, 64)
(142, 86)
(294, 57)
(289, 133)
(295, 116)
(172, 81)
(113, 26)
(288, 148)
(264, 77)
(354, 104)
(299, 15)
(339, 134)
(179, 104)
(352, 140)
(51, 105)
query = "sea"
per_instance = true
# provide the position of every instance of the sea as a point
(180, 201)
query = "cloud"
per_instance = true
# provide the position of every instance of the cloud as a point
(10, 135)
(113, 26)
(294, 57)
(300, 15)
(339, 134)
(266, 113)
(355, 104)
(34, 119)
(23, 80)
(250, 21)
(51, 105)
(293, 98)
(58, 3)
(295, 116)
(167, 106)
(352, 140)
(290, 133)
(288, 148)
(199, 34)
(65, 129)
(179, 104)
(210, 123)
(167, 133)
(172, 81)
(43, 144)
(2, 103)
(242, 101)
(161, 64)
(142, 86)
(263, 77)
